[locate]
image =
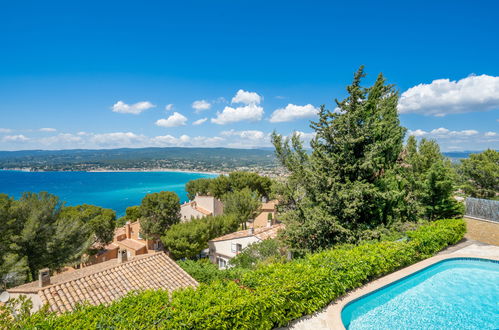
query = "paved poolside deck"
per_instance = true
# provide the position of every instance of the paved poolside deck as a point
(330, 316)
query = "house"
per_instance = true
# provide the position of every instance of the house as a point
(104, 282)
(267, 216)
(224, 248)
(126, 238)
(201, 207)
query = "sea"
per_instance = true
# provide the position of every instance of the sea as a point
(114, 190)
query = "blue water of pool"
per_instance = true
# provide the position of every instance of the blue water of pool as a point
(460, 293)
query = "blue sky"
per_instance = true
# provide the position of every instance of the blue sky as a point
(102, 74)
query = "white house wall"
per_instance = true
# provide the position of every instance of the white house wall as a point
(224, 248)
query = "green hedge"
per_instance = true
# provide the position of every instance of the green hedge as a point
(270, 296)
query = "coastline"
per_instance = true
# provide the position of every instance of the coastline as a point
(157, 170)
(104, 170)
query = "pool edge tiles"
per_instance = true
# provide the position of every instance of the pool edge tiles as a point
(334, 311)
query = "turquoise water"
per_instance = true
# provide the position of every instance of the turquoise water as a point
(114, 190)
(452, 294)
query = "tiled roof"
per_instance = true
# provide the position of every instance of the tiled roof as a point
(102, 283)
(202, 210)
(130, 244)
(270, 205)
(261, 233)
(270, 233)
(194, 205)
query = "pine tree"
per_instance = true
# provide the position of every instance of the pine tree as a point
(343, 178)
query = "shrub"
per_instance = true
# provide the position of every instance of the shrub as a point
(188, 239)
(264, 298)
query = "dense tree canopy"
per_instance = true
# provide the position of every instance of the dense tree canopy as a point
(132, 214)
(432, 180)
(38, 232)
(480, 174)
(244, 204)
(353, 182)
(224, 184)
(188, 239)
(159, 211)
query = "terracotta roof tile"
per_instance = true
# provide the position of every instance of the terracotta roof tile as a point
(110, 281)
(131, 244)
(262, 233)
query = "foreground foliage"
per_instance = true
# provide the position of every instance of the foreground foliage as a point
(38, 231)
(264, 298)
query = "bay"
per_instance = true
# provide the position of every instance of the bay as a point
(114, 190)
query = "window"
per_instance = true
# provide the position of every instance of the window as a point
(222, 263)
(236, 247)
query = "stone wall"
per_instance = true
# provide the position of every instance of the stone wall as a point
(482, 231)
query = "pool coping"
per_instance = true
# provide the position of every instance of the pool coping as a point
(333, 312)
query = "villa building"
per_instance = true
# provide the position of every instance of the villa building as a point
(104, 282)
(267, 216)
(201, 207)
(224, 248)
(126, 238)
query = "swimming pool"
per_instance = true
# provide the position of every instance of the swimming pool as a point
(458, 293)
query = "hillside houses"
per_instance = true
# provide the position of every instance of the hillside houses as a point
(126, 238)
(201, 207)
(104, 282)
(226, 247)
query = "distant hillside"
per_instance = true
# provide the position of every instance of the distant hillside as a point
(219, 159)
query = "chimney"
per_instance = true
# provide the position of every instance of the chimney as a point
(127, 230)
(43, 277)
(251, 231)
(122, 256)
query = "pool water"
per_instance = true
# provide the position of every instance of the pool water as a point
(460, 293)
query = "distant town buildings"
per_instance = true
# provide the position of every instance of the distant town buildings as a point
(104, 282)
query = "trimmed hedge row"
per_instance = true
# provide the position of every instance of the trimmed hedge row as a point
(264, 298)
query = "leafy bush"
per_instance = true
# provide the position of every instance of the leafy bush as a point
(267, 251)
(188, 239)
(204, 271)
(264, 298)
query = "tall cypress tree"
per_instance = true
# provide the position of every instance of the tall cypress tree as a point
(355, 146)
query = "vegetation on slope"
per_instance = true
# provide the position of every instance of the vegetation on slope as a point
(264, 298)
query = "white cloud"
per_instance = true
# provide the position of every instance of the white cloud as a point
(201, 105)
(169, 140)
(468, 139)
(169, 107)
(247, 135)
(443, 132)
(47, 129)
(62, 139)
(418, 132)
(5, 130)
(250, 112)
(118, 139)
(246, 97)
(200, 121)
(292, 112)
(306, 137)
(443, 97)
(174, 120)
(15, 138)
(135, 109)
